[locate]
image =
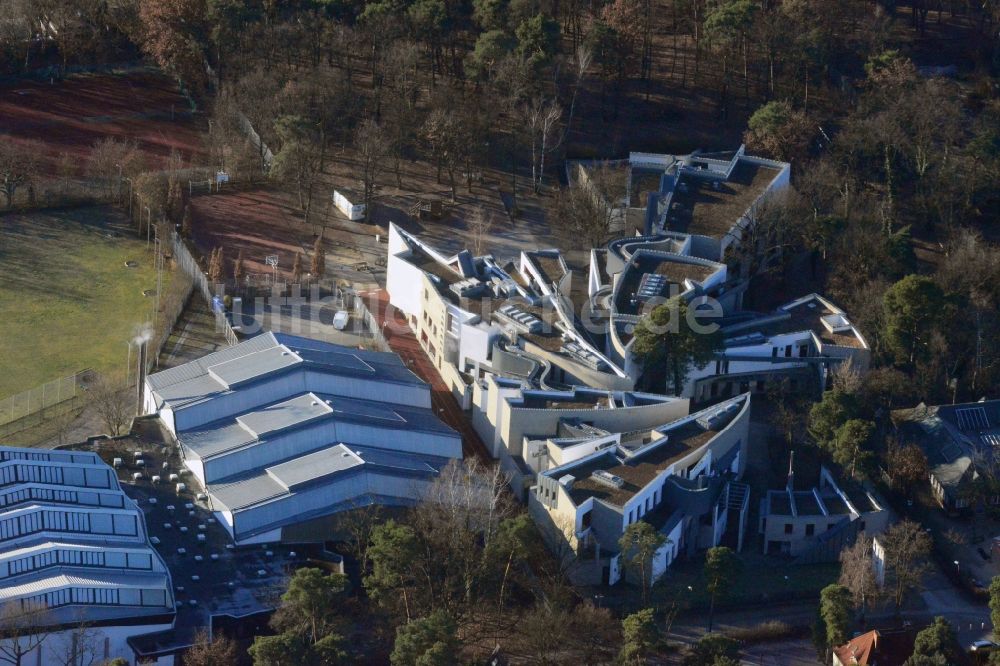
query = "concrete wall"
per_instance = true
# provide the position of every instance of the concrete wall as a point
(520, 421)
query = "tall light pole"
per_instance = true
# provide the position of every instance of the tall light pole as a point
(129, 196)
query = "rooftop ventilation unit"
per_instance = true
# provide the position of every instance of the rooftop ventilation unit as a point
(469, 287)
(520, 320)
(583, 355)
(651, 285)
(606, 478)
(718, 418)
(566, 481)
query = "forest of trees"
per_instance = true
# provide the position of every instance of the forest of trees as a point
(889, 111)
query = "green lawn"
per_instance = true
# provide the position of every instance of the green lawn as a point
(67, 300)
(762, 579)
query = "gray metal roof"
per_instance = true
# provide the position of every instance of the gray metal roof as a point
(283, 415)
(245, 491)
(257, 425)
(314, 466)
(266, 355)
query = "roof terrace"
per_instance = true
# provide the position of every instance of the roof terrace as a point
(711, 208)
(673, 272)
(639, 471)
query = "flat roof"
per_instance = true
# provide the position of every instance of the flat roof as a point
(674, 268)
(639, 471)
(283, 415)
(240, 370)
(706, 211)
(806, 314)
(676, 440)
(314, 466)
(548, 263)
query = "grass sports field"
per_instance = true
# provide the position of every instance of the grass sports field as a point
(67, 300)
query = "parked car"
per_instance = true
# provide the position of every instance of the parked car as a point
(340, 320)
(983, 646)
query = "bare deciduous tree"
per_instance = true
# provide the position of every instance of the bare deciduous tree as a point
(208, 652)
(113, 404)
(18, 166)
(80, 647)
(857, 572)
(542, 118)
(591, 208)
(110, 160)
(480, 223)
(907, 548)
(22, 630)
(373, 146)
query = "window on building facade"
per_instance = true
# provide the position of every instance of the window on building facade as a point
(788, 528)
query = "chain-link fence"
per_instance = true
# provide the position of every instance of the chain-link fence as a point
(17, 411)
(187, 263)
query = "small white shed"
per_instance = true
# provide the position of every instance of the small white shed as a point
(343, 199)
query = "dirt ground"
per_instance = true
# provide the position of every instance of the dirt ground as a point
(70, 115)
(268, 221)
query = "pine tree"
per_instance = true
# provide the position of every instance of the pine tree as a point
(318, 267)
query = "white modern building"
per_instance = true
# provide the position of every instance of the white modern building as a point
(530, 430)
(817, 523)
(474, 316)
(802, 341)
(681, 476)
(707, 198)
(75, 559)
(285, 431)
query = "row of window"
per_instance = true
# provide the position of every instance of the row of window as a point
(811, 527)
(67, 521)
(36, 493)
(803, 351)
(30, 473)
(91, 596)
(641, 510)
(88, 558)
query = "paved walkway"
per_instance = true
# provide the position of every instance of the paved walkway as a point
(403, 342)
